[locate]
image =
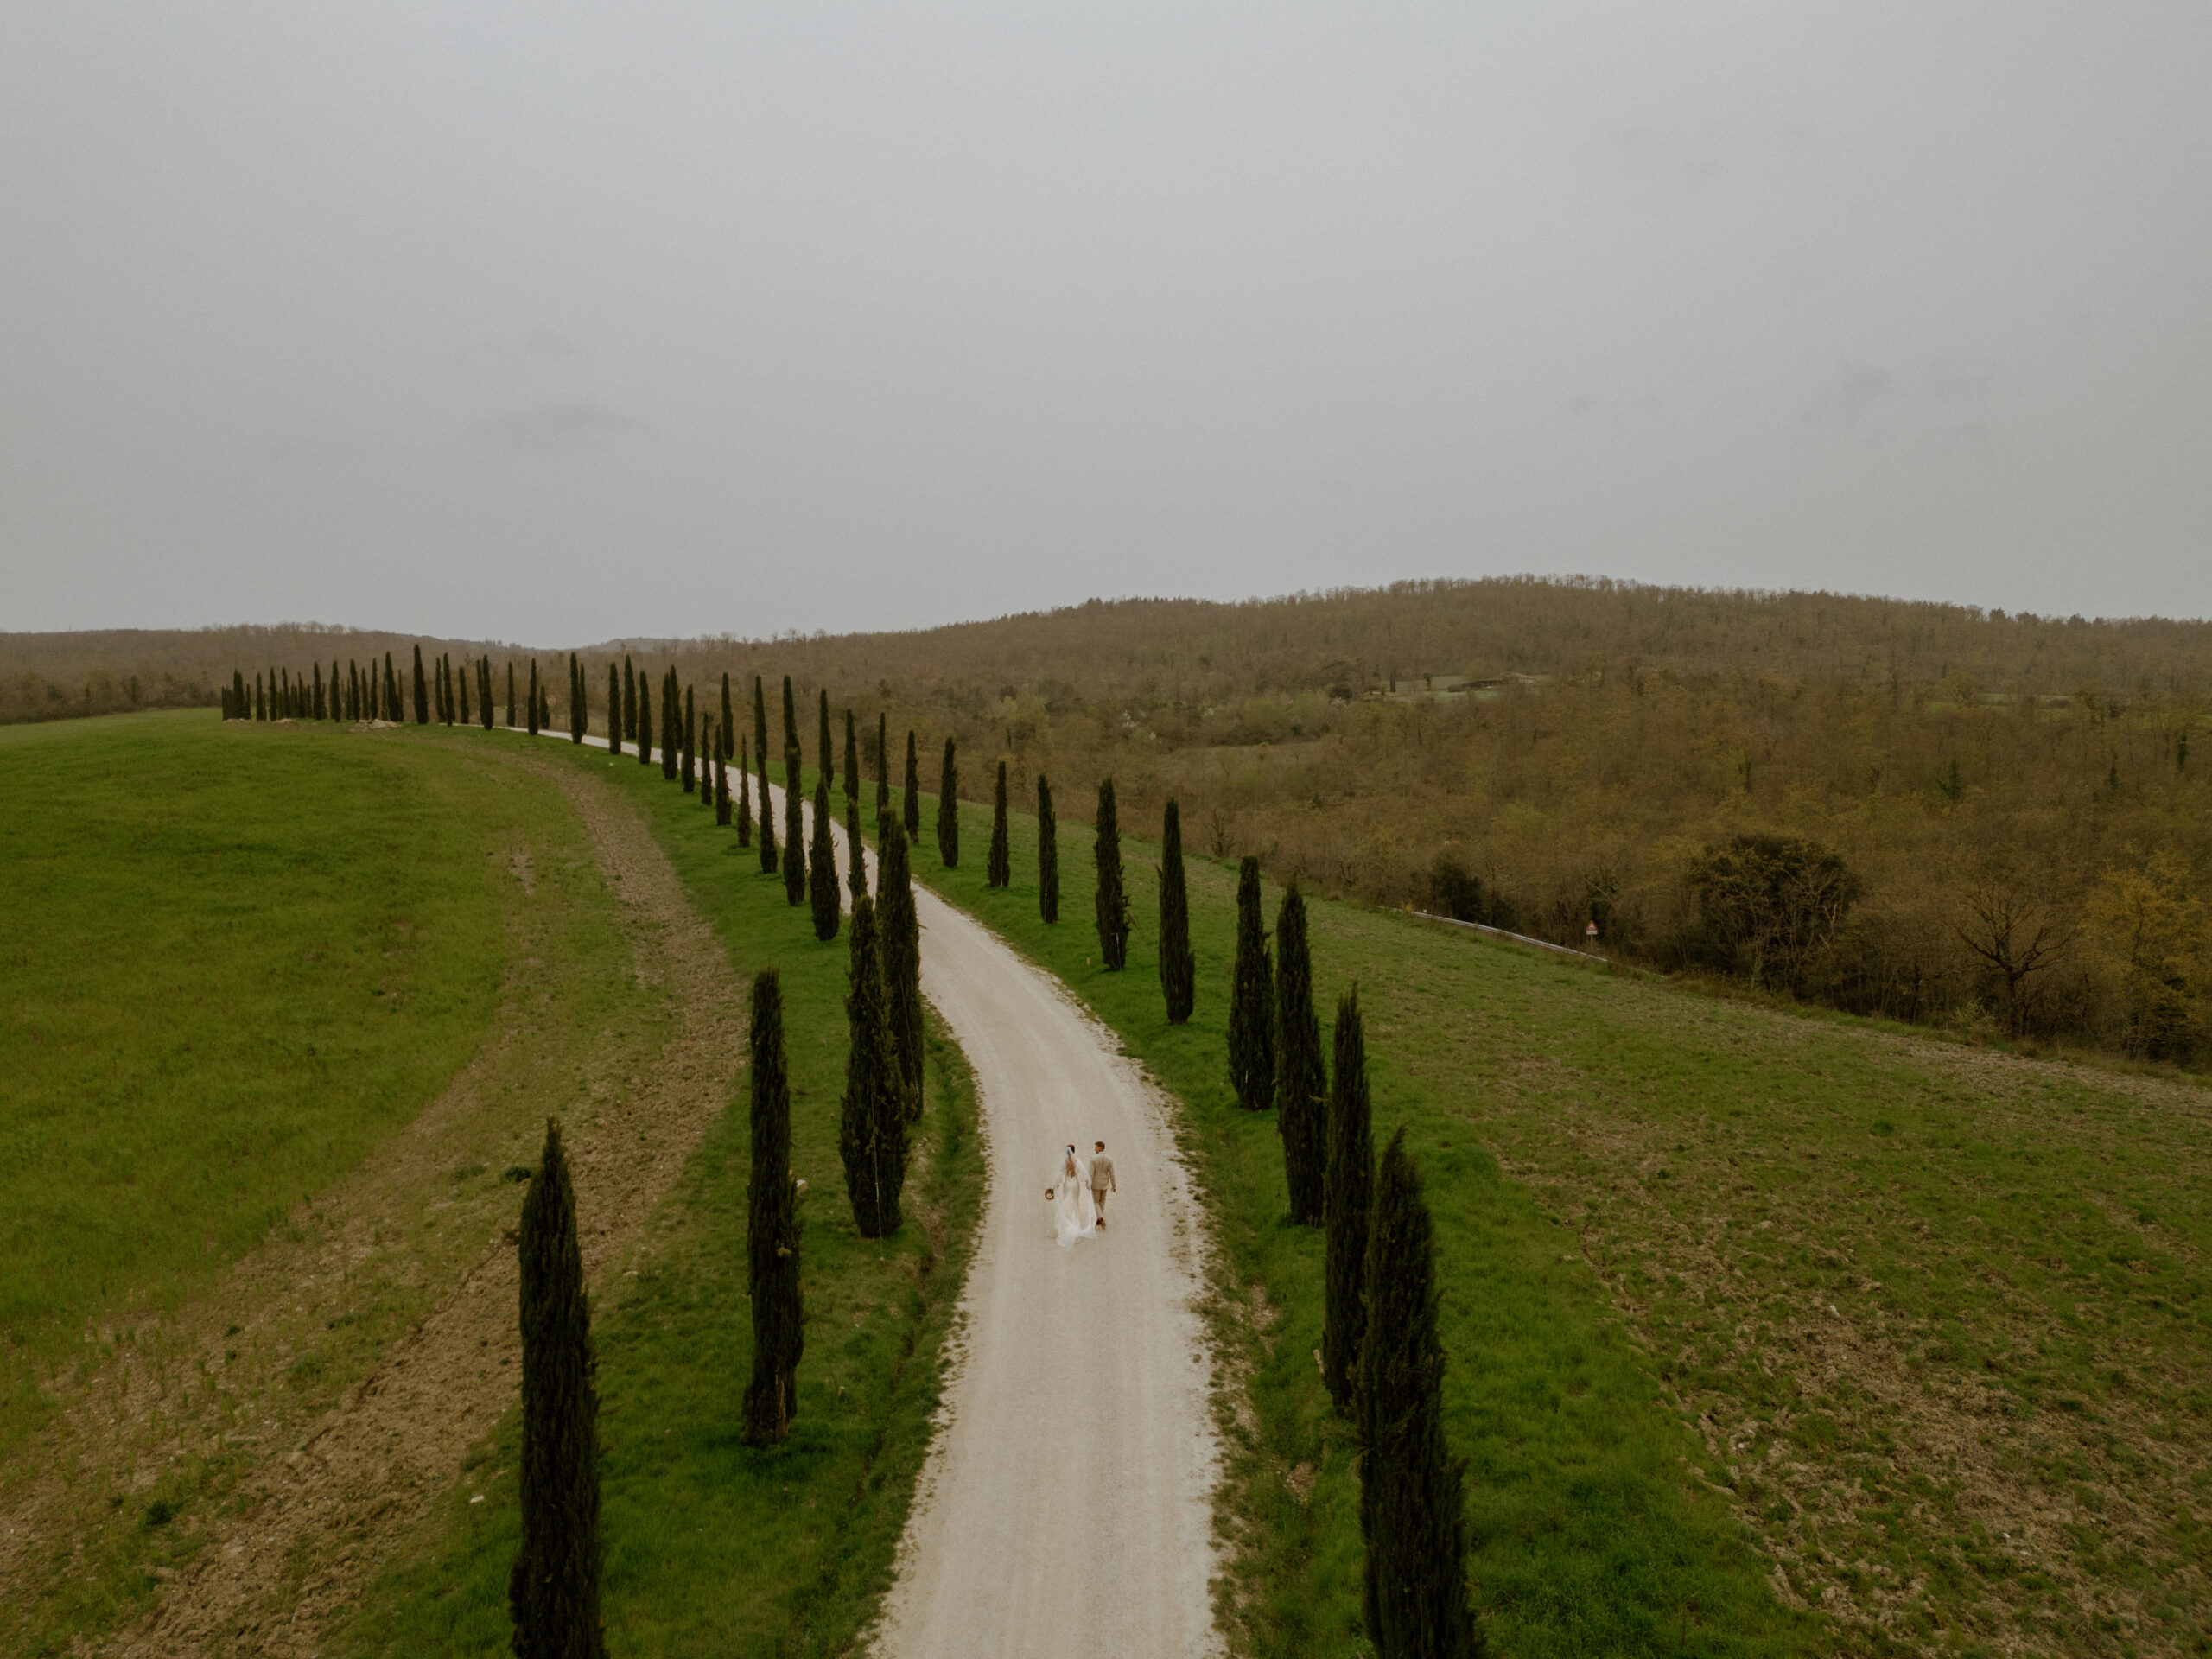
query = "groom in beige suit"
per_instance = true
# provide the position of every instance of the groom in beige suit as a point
(1101, 1178)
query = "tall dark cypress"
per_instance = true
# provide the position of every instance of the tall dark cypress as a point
(1301, 1079)
(772, 1226)
(760, 760)
(1179, 966)
(744, 792)
(901, 930)
(579, 701)
(1048, 854)
(629, 705)
(1351, 1190)
(882, 763)
(337, 706)
(462, 677)
(239, 708)
(728, 729)
(998, 870)
(421, 691)
(318, 690)
(852, 760)
(794, 827)
(790, 717)
(910, 810)
(392, 708)
(872, 1124)
(553, 1592)
(722, 791)
(260, 698)
(510, 691)
(828, 760)
(484, 690)
(671, 724)
(644, 724)
(1412, 1507)
(855, 852)
(691, 740)
(546, 703)
(1111, 904)
(614, 709)
(947, 808)
(1252, 1000)
(533, 696)
(822, 864)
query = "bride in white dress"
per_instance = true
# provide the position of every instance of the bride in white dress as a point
(1074, 1214)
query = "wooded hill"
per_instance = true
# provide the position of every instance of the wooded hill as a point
(1928, 811)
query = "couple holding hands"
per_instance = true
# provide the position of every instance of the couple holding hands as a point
(1078, 1198)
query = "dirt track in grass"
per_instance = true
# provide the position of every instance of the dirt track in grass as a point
(318, 1491)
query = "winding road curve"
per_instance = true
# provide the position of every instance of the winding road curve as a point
(1066, 1502)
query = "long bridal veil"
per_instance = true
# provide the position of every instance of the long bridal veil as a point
(1074, 1215)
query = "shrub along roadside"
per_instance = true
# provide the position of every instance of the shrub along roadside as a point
(1588, 1533)
(704, 1536)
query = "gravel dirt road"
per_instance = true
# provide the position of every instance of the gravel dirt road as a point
(1067, 1504)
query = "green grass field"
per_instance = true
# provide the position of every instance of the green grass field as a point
(230, 961)
(1768, 1334)
(712, 1547)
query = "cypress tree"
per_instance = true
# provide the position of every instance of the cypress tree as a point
(794, 829)
(1179, 967)
(260, 702)
(728, 728)
(238, 709)
(553, 1592)
(671, 723)
(1412, 1510)
(722, 791)
(760, 759)
(690, 739)
(337, 705)
(467, 717)
(772, 1226)
(614, 709)
(829, 767)
(948, 810)
(872, 1125)
(901, 928)
(579, 701)
(1301, 1082)
(852, 761)
(421, 691)
(1351, 1189)
(533, 696)
(629, 703)
(821, 864)
(1251, 1000)
(484, 690)
(644, 725)
(1110, 907)
(744, 792)
(353, 689)
(909, 813)
(791, 717)
(392, 708)
(511, 693)
(318, 690)
(998, 868)
(882, 763)
(855, 852)
(1048, 854)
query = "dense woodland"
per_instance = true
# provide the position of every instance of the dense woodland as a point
(1926, 811)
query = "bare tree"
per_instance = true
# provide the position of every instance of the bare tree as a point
(2014, 924)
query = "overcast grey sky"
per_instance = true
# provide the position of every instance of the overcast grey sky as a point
(555, 322)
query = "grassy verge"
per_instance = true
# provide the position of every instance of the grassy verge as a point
(230, 962)
(714, 1547)
(1767, 1333)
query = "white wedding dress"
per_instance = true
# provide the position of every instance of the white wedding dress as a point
(1075, 1215)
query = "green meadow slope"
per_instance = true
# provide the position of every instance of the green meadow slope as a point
(1769, 1333)
(238, 960)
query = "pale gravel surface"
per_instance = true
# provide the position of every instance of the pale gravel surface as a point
(1066, 1506)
